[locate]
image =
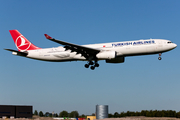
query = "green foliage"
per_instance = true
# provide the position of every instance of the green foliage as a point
(56, 115)
(41, 114)
(93, 114)
(35, 112)
(50, 115)
(151, 113)
(116, 115)
(82, 116)
(110, 115)
(122, 114)
(178, 114)
(63, 114)
(74, 114)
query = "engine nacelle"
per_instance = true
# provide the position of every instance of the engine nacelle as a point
(116, 60)
(106, 55)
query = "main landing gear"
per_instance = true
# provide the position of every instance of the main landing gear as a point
(93, 65)
(159, 58)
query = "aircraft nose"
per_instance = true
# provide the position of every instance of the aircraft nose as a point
(175, 45)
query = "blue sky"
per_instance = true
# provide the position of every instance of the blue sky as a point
(141, 83)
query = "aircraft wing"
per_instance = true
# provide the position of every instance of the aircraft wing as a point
(85, 51)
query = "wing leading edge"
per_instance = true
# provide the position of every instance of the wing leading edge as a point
(88, 53)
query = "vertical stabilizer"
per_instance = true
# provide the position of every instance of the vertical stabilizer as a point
(21, 42)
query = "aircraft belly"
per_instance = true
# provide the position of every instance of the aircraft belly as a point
(58, 56)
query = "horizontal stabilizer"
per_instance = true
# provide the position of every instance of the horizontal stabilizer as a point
(15, 52)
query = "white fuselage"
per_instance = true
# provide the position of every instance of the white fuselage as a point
(126, 48)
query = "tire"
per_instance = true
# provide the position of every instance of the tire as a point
(92, 67)
(86, 66)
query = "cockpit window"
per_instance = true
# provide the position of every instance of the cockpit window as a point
(169, 42)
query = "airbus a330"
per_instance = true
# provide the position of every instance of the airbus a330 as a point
(113, 52)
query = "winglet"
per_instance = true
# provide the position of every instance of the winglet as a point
(47, 36)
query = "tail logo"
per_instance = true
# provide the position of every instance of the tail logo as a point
(22, 44)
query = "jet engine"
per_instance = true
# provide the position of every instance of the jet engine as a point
(106, 55)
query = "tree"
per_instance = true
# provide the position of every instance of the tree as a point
(116, 114)
(74, 114)
(143, 113)
(50, 115)
(148, 114)
(41, 114)
(63, 114)
(110, 115)
(128, 113)
(35, 112)
(82, 116)
(93, 114)
(178, 114)
(122, 114)
(137, 113)
(56, 115)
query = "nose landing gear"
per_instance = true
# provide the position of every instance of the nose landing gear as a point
(93, 65)
(159, 58)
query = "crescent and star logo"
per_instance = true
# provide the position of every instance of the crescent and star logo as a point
(22, 43)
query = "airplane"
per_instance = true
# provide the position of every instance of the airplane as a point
(114, 52)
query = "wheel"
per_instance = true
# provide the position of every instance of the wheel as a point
(92, 67)
(159, 58)
(86, 66)
(96, 65)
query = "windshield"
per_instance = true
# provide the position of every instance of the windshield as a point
(169, 42)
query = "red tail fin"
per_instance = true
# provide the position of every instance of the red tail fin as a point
(21, 42)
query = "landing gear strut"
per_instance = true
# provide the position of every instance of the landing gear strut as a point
(93, 65)
(159, 58)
